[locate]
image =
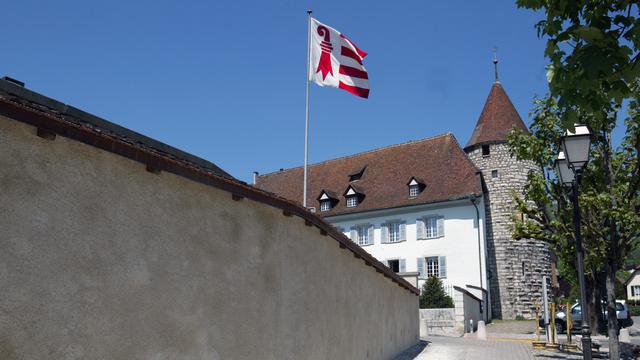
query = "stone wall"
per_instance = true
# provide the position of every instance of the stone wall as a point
(101, 259)
(441, 322)
(516, 266)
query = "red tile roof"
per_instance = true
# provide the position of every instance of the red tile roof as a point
(438, 161)
(497, 118)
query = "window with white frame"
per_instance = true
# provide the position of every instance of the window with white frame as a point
(431, 266)
(352, 201)
(430, 227)
(635, 290)
(362, 234)
(325, 205)
(394, 232)
(414, 190)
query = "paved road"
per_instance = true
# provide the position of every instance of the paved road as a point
(450, 348)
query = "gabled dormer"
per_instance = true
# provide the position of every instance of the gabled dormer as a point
(327, 200)
(415, 186)
(353, 196)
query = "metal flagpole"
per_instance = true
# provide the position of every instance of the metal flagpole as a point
(306, 127)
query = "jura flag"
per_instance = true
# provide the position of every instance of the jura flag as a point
(336, 61)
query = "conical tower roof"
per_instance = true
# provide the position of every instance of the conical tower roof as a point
(497, 118)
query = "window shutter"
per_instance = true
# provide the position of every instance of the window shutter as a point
(442, 264)
(421, 267)
(403, 265)
(440, 226)
(370, 235)
(354, 234)
(421, 231)
(386, 263)
(385, 233)
(403, 231)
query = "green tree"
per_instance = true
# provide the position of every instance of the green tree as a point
(609, 207)
(593, 48)
(433, 295)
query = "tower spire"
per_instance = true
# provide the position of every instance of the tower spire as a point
(495, 63)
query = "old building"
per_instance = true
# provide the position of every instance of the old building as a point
(433, 207)
(516, 266)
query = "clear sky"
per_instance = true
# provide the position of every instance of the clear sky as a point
(225, 80)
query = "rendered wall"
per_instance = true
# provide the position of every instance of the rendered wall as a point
(100, 259)
(459, 244)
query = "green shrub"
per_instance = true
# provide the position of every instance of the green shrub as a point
(433, 295)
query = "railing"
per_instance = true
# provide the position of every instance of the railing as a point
(448, 289)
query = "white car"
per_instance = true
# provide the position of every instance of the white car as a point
(622, 313)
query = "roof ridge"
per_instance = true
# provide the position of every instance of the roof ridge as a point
(448, 133)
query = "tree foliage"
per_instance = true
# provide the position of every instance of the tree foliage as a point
(594, 53)
(433, 295)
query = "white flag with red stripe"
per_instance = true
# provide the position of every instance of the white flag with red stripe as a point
(336, 61)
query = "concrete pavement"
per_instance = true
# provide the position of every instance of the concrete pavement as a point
(452, 348)
(506, 340)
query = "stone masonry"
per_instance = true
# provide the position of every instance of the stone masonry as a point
(516, 266)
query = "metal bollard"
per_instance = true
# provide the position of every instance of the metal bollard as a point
(569, 323)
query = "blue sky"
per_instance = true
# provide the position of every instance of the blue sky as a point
(225, 80)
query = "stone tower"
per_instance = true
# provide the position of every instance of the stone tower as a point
(515, 267)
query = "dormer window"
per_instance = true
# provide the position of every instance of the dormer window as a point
(415, 187)
(356, 175)
(352, 201)
(325, 205)
(327, 200)
(353, 196)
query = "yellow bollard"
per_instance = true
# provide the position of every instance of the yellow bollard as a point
(553, 324)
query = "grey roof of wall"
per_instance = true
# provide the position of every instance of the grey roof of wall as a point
(19, 94)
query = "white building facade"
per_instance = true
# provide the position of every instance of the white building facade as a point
(444, 240)
(410, 205)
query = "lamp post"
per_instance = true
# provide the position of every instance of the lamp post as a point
(569, 166)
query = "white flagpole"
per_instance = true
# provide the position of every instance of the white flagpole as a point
(306, 127)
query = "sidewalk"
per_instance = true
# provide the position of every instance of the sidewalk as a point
(450, 348)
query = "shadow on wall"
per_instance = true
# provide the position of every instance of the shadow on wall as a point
(414, 351)
(494, 288)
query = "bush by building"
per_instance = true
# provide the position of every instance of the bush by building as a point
(433, 295)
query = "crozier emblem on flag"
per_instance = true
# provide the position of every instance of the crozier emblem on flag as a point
(336, 61)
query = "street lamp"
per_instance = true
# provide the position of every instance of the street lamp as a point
(565, 174)
(569, 167)
(576, 146)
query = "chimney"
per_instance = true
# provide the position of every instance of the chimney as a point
(255, 177)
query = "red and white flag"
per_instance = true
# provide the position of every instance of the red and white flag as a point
(336, 61)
